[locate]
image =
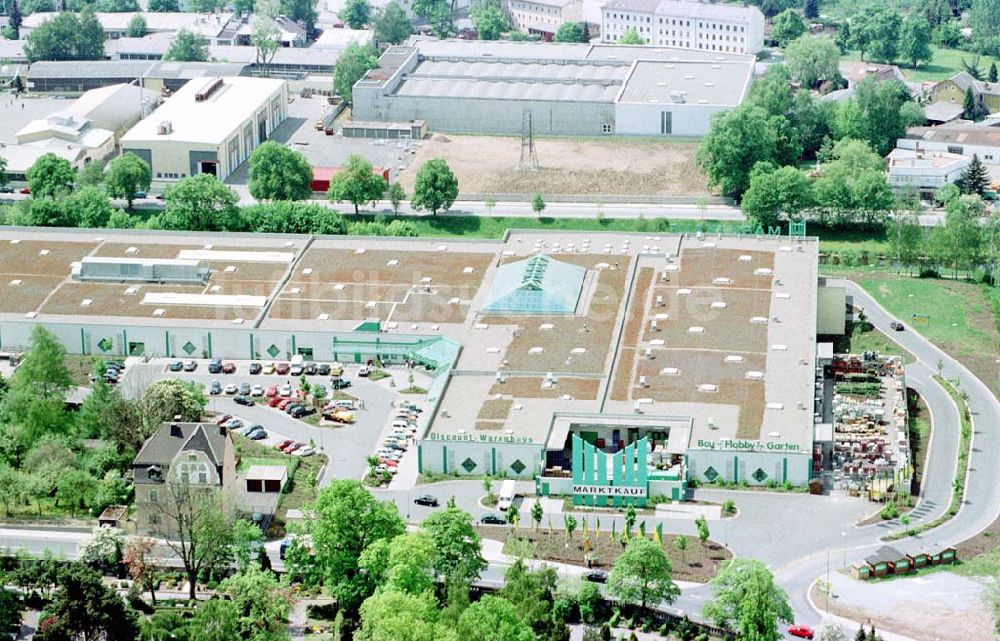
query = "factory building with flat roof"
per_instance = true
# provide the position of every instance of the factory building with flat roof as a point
(564, 88)
(210, 126)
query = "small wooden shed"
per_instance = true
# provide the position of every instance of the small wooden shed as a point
(113, 516)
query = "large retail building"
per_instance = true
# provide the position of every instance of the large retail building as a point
(608, 367)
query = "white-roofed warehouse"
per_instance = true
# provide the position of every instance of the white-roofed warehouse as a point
(569, 89)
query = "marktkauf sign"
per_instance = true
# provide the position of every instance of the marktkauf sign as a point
(481, 438)
(609, 490)
(746, 445)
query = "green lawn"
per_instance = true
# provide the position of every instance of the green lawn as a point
(495, 226)
(945, 64)
(961, 316)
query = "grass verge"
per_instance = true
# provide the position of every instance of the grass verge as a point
(958, 485)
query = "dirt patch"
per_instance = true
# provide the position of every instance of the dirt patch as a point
(530, 387)
(698, 563)
(724, 316)
(337, 310)
(489, 426)
(700, 267)
(489, 165)
(110, 299)
(432, 308)
(495, 409)
(623, 374)
(411, 267)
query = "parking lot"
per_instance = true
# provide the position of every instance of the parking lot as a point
(347, 446)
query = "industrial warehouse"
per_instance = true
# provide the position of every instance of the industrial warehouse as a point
(609, 367)
(553, 88)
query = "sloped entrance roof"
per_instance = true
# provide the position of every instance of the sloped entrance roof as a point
(537, 285)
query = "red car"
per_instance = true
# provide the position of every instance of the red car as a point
(282, 368)
(288, 449)
(271, 391)
(285, 443)
(801, 631)
(228, 368)
(284, 403)
(25, 190)
(222, 419)
(275, 400)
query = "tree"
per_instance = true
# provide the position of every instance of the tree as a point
(356, 13)
(164, 6)
(960, 237)
(537, 513)
(265, 34)
(915, 40)
(876, 30)
(357, 183)
(970, 107)
(66, 37)
(702, 526)
(736, 141)
(142, 564)
(50, 176)
(127, 176)
(404, 563)
(747, 600)
(537, 204)
(354, 62)
(104, 550)
(42, 373)
(4, 180)
(975, 178)
(15, 23)
(91, 175)
(216, 620)
(200, 203)
(631, 37)
(392, 615)
(811, 10)
(853, 182)
(10, 610)
(812, 60)
(787, 26)
(681, 543)
(136, 27)
(90, 206)
(489, 19)
(194, 522)
(84, 608)
(261, 605)
(774, 192)
(187, 47)
(117, 6)
(279, 173)
(984, 17)
(642, 575)
(303, 11)
(391, 26)
(905, 235)
(396, 196)
(533, 593)
(879, 113)
(435, 187)
(493, 619)
(458, 553)
(167, 398)
(571, 32)
(347, 520)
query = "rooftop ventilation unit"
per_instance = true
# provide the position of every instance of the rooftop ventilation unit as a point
(677, 96)
(165, 128)
(207, 91)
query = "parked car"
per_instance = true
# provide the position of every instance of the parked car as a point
(426, 499)
(222, 419)
(339, 416)
(305, 450)
(284, 403)
(229, 367)
(284, 443)
(234, 422)
(288, 449)
(492, 519)
(245, 388)
(295, 370)
(801, 631)
(175, 366)
(243, 399)
(190, 366)
(596, 576)
(410, 407)
(231, 388)
(215, 366)
(338, 383)
(285, 390)
(215, 387)
(323, 369)
(342, 404)
(303, 411)
(257, 434)
(271, 391)
(274, 401)
(309, 369)
(269, 367)
(257, 390)
(336, 369)
(365, 371)
(255, 368)
(282, 369)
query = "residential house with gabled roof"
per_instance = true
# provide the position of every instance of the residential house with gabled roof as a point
(986, 94)
(201, 454)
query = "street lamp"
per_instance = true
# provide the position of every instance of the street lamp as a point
(844, 539)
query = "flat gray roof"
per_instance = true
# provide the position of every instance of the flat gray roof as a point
(716, 83)
(508, 90)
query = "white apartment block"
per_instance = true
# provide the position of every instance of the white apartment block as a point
(543, 17)
(687, 24)
(924, 170)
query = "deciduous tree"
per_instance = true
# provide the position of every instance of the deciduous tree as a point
(66, 37)
(50, 176)
(200, 203)
(775, 192)
(356, 13)
(187, 47)
(571, 32)
(127, 176)
(391, 26)
(84, 608)
(493, 619)
(435, 187)
(915, 40)
(136, 27)
(736, 141)
(812, 60)
(357, 183)
(489, 19)
(167, 398)
(641, 575)
(391, 615)
(787, 26)
(631, 37)
(456, 543)
(352, 64)
(279, 173)
(747, 600)
(142, 564)
(261, 604)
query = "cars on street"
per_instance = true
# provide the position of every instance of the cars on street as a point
(228, 367)
(214, 388)
(268, 368)
(801, 631)
(596, 576)
(255, 368)
(492, 519)
(897, 326)
(426, 499)
(176, 366)
(215, 366)
(282, 369)
(231, 388)
(190, 366)
(243, 399)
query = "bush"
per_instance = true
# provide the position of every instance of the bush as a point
(615, 619)
(729, 507)
(890, 511)
(647, 625)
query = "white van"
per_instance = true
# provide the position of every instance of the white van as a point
(403, 425)
(506, 496)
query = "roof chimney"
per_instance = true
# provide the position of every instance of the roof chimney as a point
(175, 430)
(222, 430)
